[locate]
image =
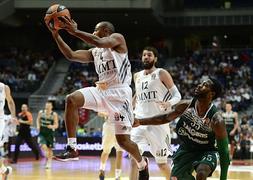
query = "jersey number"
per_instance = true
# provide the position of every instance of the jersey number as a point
(145, 85)
(207, 158)
(162, 152)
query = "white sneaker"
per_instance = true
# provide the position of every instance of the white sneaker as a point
(6, 173)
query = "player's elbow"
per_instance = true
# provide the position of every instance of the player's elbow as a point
(70, 56)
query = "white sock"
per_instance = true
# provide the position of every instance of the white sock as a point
(117, 173)
(142, 164)
(72, 143)
(102, 166)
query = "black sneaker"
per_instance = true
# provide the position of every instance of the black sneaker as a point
(101, 175)
(6, 173)
(69, 155)
(144, 174)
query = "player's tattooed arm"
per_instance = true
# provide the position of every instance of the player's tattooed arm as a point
(219, 126)
(163, 119)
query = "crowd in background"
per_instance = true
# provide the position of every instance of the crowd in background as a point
(232, 68)
(23, 69)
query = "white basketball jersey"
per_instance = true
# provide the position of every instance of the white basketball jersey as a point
(149, 90)
(111, 66)
(2, 99)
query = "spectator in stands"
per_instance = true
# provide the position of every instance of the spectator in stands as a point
(245, 146)
(250, 121)
(23, 68)
(31, 76)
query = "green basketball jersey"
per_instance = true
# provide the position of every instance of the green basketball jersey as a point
(195, 132)
(45, 121)
(229, 118)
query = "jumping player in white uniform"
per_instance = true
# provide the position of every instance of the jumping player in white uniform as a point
(112, 95)
(5, 94)
(108, 142)
(155, 94)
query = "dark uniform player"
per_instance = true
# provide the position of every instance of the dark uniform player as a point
(200, 124)
(47, 122)
(25, 120)
(231, 120)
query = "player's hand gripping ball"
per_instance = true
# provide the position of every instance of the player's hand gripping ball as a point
(56, 16)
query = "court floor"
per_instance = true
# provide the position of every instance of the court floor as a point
(87, 169)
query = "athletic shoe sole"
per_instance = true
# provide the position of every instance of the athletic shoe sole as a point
(69, 159)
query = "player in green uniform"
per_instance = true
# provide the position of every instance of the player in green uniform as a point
(47, 122)
(232, 125)
(200, 128)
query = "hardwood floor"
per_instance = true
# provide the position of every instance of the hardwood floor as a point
(87, 169)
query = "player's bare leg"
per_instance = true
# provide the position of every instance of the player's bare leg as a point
(133, 170)
(73, 102)
(142, 162)
(118, 162)
(232, 149)
(103, 159)
(165, 169)
(5, 170)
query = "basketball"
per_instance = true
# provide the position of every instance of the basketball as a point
(54, 16)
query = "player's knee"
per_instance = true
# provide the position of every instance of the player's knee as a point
(75, 99)
(163, 166)
(70, 100)
(123, 141)
(201, 175)
(106, 151)
(122, 144)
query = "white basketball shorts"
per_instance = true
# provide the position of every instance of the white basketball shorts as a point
(116, 101)
(155, 139)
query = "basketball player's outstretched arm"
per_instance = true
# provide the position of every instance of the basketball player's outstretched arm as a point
(219, 128)
(10, 101)
(112, 41)
(163, 119)
(82, 56)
